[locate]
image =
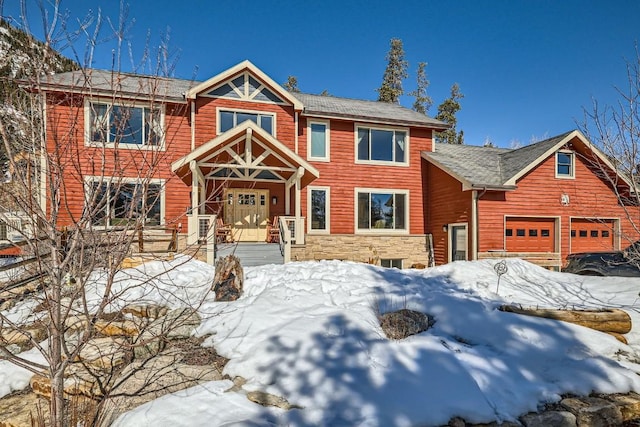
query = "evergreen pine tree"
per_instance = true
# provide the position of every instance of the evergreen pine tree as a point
(423, 101)
(291, 84)
(396, 71)
(447, 113)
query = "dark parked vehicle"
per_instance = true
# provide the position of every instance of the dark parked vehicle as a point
(624, 263)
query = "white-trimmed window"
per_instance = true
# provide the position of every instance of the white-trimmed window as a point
(124, 124)
(382, 210)
(565, 164)
(318, 141)
(391, 263)
(3, 230)
(380, 145)
(318, 211)
(125, 202)
(228, 119)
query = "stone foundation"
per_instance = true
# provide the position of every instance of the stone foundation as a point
(412, 249)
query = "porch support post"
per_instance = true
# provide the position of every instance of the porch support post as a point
(287, 192)
(192, 237)
(299, 230)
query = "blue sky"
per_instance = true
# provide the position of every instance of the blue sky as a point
(526, 68)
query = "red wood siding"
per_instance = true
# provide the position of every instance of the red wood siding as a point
(343, 175)
(538, 195)
(446, 204)
(65, 140)
(206, 118)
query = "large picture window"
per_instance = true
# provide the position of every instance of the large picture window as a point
(318, 209)
(120, 124)
(382, 145)
(231, 119)
(382, 210)
(122, 204)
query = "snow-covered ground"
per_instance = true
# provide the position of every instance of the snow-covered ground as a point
(309, 332)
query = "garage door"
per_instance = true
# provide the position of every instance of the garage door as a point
(590, 235)
(530, 234)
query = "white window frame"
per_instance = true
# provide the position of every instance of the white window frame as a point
(391, 261)
(4, 230)
(396, 231)
(126, 180)
(239, 110)
(327, 229)
(381, 162)
(128, 146)
(572, 155)
(327, 137)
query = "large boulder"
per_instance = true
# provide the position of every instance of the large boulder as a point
(403, 323)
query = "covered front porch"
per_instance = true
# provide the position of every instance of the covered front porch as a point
(241, 181)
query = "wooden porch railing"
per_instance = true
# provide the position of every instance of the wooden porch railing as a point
(291, 232)
(543, 259)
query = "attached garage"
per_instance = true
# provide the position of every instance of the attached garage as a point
(592, 235)
(530, 234)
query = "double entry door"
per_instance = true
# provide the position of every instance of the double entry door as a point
(247, 211)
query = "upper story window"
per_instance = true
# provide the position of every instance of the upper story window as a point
(318, 141)
(229, 119)
(125, 125)
(379, 210)
(565, 164)
(381, 145)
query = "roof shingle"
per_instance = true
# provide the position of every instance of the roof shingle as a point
(488, 166)
(173, 89)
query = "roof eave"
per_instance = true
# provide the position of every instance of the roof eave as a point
(105, 92)
(355, 117)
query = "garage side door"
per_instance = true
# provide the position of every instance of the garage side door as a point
(591, 235)
(530, 235)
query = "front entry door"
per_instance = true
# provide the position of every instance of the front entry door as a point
(247, 211)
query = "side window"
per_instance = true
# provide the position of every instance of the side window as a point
(565, 167)
(318, 141)
(318, 209)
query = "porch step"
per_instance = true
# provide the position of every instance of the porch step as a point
(252, 254)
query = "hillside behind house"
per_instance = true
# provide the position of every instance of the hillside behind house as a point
(22, 57)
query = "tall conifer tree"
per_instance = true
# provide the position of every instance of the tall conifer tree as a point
(423, 101)
(396, 71)
(447, 113)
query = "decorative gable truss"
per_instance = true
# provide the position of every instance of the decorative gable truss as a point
(245, 87)
(245, 82)
(246, 159)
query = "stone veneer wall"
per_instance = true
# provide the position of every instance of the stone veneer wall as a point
(411, 249)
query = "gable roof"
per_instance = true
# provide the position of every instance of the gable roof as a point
(501, 168)
(146, 87)
(245, 65)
